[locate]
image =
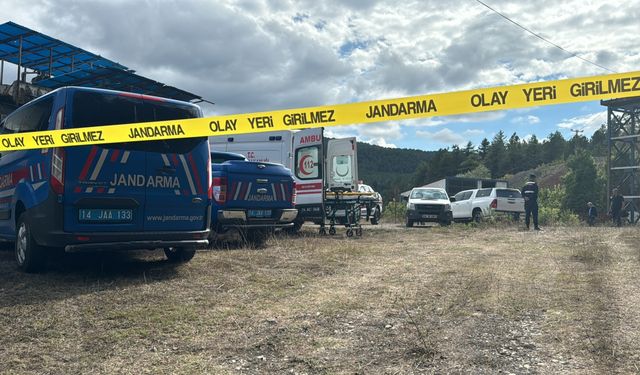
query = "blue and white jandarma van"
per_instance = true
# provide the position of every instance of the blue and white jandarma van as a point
(140, 195)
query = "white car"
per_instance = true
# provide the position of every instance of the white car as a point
(375, 210)
(477, 204)
(428, 205)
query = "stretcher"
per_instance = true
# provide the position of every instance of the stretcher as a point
(346, 208)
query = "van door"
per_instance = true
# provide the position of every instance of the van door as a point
(138, 186)
(177, 189)
(458, 206)
(104, 185)
(178, 174)
(308, 169)
(342, 164)
(23, 167)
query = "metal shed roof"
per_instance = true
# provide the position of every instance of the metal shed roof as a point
(61, 64)
(44, 53)
(116, 79)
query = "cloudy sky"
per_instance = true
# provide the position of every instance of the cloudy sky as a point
(274, 54)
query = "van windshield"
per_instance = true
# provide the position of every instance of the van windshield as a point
(102, 109)
(428, 194)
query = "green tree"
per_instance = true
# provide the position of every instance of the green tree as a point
(598, 141)
(577, 142)
(515, 155)
(533, 153)
(496, 156)
(483, 149)
(471, 159)
(478, 172)
(582, 183)
(553, 148)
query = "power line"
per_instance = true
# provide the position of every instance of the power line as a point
(544, 39)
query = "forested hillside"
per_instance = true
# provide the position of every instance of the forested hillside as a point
(391, 171)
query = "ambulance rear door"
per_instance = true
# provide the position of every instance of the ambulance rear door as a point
(308, 168)
(341, 169)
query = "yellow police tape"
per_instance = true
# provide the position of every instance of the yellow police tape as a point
(453, 103)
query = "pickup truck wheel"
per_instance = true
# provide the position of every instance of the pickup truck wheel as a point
(409, 223)
(477, 215)
(29, 255)
(257, 237)
(375, 218)
(297, 225)
(179, 254)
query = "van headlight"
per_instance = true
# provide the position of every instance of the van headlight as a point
(411, 206)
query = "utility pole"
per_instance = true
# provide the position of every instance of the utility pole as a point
(576, 142)
(577, 131)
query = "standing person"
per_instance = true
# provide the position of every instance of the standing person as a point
(617, 201)
(592, 214)
(530, 193)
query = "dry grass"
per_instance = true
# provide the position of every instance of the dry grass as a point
(421, 300)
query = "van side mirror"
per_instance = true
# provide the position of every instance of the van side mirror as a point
(452, 199)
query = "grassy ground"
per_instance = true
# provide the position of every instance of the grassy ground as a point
(420, 300)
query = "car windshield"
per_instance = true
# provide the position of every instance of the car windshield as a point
(428, 194)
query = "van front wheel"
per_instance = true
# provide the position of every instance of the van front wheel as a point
(29, 255)
(179, 254)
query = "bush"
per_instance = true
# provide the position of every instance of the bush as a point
(394, 210)
(551, 211)
(556, 216)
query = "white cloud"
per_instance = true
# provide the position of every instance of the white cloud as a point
(528, 120)
(380, 142)
(589, 123)
(445, 136)
(473, 132)
(253, 55)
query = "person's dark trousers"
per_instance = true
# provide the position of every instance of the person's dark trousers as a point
(531, 210)
(617, 218)
(591, 220)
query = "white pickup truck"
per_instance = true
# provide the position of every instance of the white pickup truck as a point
(477, 204)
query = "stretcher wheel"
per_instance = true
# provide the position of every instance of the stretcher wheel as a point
(349, 232)
(323, 231)
(359, 232)
(332, 231)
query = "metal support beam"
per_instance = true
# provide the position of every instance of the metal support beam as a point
(623, 164)
(18, 70)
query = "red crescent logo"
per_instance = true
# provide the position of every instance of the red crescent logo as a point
(301, 165)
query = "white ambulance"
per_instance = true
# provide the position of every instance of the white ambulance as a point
(318, 164)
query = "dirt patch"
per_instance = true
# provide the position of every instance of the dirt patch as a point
(422, 300)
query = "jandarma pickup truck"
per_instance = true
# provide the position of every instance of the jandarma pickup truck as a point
(252, 198)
